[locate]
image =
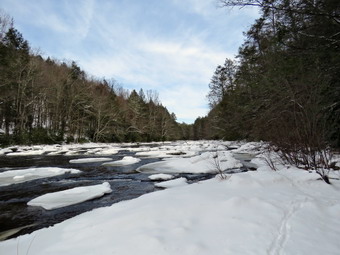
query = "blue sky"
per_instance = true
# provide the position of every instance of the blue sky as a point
(172, 46)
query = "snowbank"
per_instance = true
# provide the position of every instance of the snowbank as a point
(19, 176)
(71, 196)
(207, 162)
(127, 160)
(267, 212)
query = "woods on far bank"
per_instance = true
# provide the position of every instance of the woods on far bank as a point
(49, 101)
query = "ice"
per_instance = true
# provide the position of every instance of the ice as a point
(179, 149)
(127, 160)
(5, 150)
(109, 151)
(268, 212)
(288, 211)
(19, 176)
(207, 162)
(26, 153)
(69, 197)
(88, 160)
(157, 154)
(172, 183)
(158, 177)
(252, 147)
(67, 149)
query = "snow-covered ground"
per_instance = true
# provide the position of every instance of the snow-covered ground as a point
(289, 211)
(71, 196)
(18, 176)
(265, 212)
(207, 162)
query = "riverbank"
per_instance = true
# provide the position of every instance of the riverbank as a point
(285, 212)
(289, 211)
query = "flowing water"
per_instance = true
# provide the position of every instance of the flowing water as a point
(16, 218)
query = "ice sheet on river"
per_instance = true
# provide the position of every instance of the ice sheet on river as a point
(207, 162)
(180, 149)
(19, 176)
(161, 177)
(127, 160)
(172, 183)
(68, 197)
(88, 160)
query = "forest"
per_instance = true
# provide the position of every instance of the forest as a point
(50, 101)
(284, 86)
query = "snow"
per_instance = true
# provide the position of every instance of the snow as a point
(127, 160)
(180, 149)
(289, 211)
(160, 149)
(88, 160)
(5, 150)
(67, 149)
(109, 151)
(157, 177)
(68, 197)
(267, 212)
(103, 151)
(26, 153)
(204, 163)
(158, 153)
(172, 183)
(251, 147)
(19, 176)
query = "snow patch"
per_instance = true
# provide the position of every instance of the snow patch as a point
(172, 183)
(127, 160)
(88, 160)
(69, 197)
(207, 162)
(159, 177)
(19, 176)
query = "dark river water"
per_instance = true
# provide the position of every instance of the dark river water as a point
(125, 183)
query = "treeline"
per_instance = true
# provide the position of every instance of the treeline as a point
(285, 85)
(48, 101)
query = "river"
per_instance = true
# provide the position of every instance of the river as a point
(16, 218)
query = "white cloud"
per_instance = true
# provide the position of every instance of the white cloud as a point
(173, 46)
(185, 101)
(72, 23)
(204, 8)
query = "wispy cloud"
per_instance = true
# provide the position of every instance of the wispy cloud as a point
(171, 46)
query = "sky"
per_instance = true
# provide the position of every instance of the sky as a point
(171, 46)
